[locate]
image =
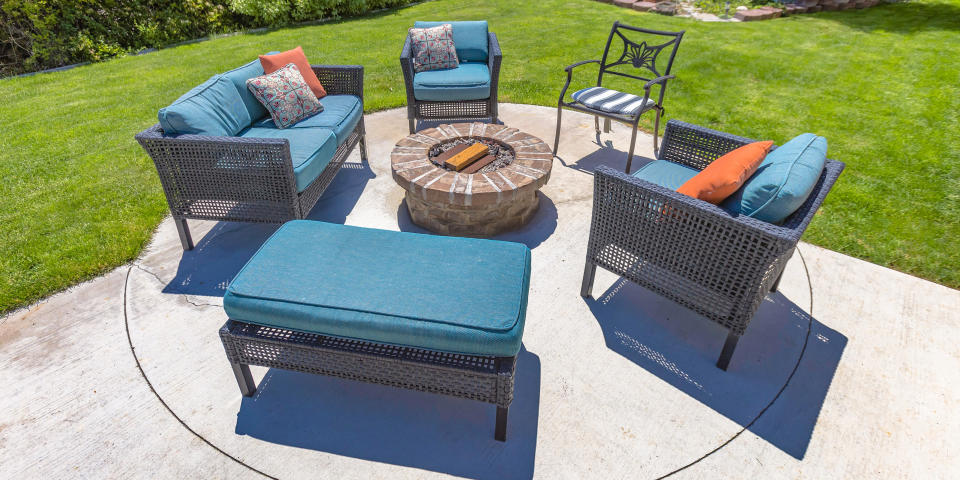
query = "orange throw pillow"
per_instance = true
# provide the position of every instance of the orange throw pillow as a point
(726, 174)
(272, 63)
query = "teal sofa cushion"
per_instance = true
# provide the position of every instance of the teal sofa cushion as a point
(469, 81)
(666, 174)
(311, 149)
(211, 108)
(239, 77)
(341, 113)
(783, 181)
(470, 39)
(451, 294)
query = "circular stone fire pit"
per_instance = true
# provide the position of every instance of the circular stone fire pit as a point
(499, 197)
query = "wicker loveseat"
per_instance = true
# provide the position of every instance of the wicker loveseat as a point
(466, 92)
(260, 173)
(697, 254)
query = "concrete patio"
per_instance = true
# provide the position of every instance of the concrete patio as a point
(851, 370)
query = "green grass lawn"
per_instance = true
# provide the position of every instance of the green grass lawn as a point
(80, 197)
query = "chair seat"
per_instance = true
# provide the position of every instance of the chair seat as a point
(341, 113)
(469, 81)
(311, 149)
(612, 101)
(665, 173)
(450, 294)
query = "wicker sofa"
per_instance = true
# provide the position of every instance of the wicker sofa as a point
(466, 92)
(695, 253)
(261, 173)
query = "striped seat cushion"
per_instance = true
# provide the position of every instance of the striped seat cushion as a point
(612, 101)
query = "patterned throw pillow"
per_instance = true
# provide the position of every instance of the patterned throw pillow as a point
(433, 48)
(286, 95)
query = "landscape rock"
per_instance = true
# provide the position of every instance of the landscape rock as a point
(643, 6)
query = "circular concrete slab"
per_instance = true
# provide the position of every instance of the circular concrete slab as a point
(622, 385)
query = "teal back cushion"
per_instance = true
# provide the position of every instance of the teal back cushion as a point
(239, 77)
(469, 38)
(212, 108)
(783, 181)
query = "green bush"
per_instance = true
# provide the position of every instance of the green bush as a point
(280, 12)
(40, 34)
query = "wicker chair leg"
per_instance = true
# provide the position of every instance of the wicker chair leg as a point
(776, 283)
(633, 143)
(501, 430)
(606, 125)
(556, 140)
(244, 379)
(728, 347)
(589, 272)
(184, 231)
(412, 121)
(656, 133)
(363, 148)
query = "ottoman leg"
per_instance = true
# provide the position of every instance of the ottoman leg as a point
(501, 431)
(244, 379)
(589, 273)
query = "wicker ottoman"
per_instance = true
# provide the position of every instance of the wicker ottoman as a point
(422, 312)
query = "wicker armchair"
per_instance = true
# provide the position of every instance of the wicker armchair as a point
(485, 108)
(690, 251)
(636, 61)
(245, 179)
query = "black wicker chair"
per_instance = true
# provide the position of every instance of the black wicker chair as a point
(452, 110)
(690, 251)
(245, 179)
(635, 56)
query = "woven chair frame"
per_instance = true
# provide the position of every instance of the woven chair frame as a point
(245, 179)
(690, 251)
(482, 378)
(453, 110)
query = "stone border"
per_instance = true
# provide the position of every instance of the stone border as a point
(417, 174)
(469, 198)
(672, 7)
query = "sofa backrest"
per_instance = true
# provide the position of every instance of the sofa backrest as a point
(239, 77)
(470, 39)
(214, 107)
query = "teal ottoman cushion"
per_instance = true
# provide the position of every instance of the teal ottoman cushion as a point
(451, 294)
(470, 39)
(341, 113)
(469, 81)
(666, 174)
(311, 150)
(211, 108)
(783, 181)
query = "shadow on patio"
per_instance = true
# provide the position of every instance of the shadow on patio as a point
(225, 249)
(401, 427)
(681, 348)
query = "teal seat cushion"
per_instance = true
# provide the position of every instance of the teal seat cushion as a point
(469, 38)
(311, 149)
(469, 81)
(211, 108)
(666, 174)
(341, 113)
(451, 294)
(239, 77)
(783, 181)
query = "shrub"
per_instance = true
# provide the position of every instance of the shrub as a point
(280, 12)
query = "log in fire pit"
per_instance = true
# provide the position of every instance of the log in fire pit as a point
(471, 179)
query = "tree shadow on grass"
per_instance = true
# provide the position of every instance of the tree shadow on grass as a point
(681, 348)
(396, 426)
(906, 17)
(225, 249)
